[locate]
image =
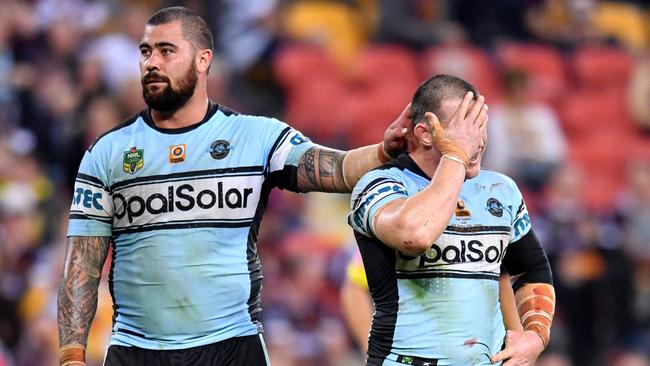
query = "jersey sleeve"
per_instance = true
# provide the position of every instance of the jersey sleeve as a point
(372, 192)
(287, 147)
(91, 213)
(521, 221)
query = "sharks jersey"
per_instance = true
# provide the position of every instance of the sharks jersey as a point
(183, 208)
(442, 307)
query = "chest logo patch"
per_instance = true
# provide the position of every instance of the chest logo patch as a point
(461, 210)
(133, 160)
(219, 149)
(177, 153)
(495, 207)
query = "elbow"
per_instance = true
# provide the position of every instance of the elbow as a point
(416, 240)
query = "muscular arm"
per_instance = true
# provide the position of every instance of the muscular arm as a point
(77, 300)
(321, 169)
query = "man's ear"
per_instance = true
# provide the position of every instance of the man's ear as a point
(203, 59)
(423, 133)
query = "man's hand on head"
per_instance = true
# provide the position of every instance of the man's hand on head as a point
(461, 138)
(399, 134)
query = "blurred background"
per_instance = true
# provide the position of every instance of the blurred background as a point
(567, 81)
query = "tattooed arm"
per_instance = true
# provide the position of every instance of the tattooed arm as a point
(321, 169)
(77, 300)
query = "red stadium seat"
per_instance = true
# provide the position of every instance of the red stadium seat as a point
(315, 109)
(295, 64)
(586, 113)
(369, 112)
(467, 62)
(543, 64)
(387, 65)
(598, 67)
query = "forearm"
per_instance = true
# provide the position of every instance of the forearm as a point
(536, 308)
(77, 298)
(328, 170)
(357, 310)
(412, 225)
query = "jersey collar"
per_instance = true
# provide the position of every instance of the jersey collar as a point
(146, 116)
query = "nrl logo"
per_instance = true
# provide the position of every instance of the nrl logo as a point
(133, 160)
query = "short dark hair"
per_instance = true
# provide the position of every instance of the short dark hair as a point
(194, 26)
(430, 94)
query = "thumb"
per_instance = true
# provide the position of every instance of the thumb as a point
(433, 121)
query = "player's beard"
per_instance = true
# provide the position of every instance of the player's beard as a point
(169, 99)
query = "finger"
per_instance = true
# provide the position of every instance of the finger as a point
(406, 113)
(482, 117)
(503, 355)
(432, 120)
(476, 109)
(461, 111)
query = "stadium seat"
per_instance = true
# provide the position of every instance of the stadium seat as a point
(543, 64)
(381, 65)
(298, 63)
(467, 62)
(586, 113)
(597, 67)
(314, 108)
(369, 112)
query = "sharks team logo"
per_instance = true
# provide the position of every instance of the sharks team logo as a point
(133, 160)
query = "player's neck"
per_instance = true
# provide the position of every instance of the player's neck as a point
(191, 113)
(426, 159)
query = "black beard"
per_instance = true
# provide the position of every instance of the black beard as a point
(169, 99)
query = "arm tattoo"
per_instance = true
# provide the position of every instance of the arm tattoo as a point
(321, 169)
(77, 301)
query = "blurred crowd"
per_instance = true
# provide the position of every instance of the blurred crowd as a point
(567, 82)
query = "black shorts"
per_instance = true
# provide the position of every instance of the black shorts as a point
(238, 351)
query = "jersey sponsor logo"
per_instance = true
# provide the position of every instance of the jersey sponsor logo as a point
(87, 198)
(219, 149)
(177, 153)
(453, 251)
(184, 197)
(494, 207)
(133, 160)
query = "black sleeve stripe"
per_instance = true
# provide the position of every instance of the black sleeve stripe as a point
(371, 186)
(521, 207)
(283, 135)
(90, 179)
(526, 258)
(79, 216)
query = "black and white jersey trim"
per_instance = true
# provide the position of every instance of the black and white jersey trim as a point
(283, 136)
(199, 174)
(193, 224)
(477, 230)
(91, 181)
(420, 274)
(79, 215)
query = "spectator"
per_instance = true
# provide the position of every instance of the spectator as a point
(526, 140)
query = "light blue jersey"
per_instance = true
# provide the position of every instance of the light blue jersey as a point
(183, 209)
(442, 306)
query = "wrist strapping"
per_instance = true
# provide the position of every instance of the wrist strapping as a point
(536, 307)
(382, 155)
(72, 355)
(446, 147)
(359, 161)
(454, 158)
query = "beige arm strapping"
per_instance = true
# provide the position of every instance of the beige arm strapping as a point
(536, 307)
(359, 161)
(72, 355)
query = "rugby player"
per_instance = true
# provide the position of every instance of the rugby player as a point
(178, 192)
(433, 245)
